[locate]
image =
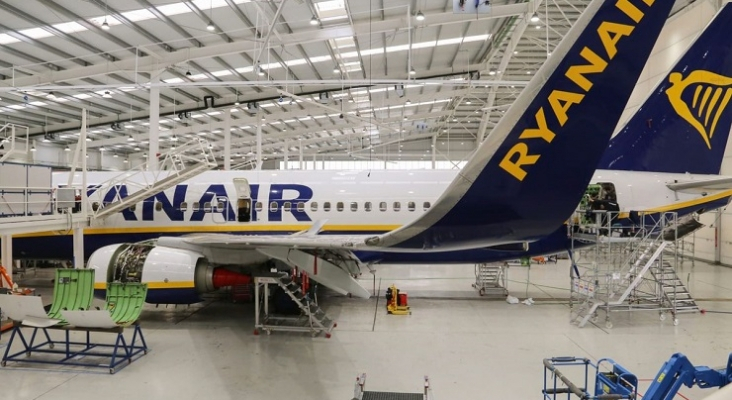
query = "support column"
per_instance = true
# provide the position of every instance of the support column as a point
(227, 140)
(718, 238)
(259, 140)
(434, 152)
(79, 230)
(286, 155)
(315, 161)
(78, 248)
(7, 249)
(302, 163)
(154, 138)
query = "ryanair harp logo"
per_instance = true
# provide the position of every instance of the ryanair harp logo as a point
(707, 98)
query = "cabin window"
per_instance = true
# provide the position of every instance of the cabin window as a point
(300, 206)
(95, 206)
(158, 206)
(397, 206)
(220, 206)
(339, 206)
(367, 206)
(132, 208)
(273, 206)
(287, 206)
(354, 206)
(207, 206)
(314, 206)
(326, 206)
(382, 206)
(183, 206)
(426, 205)
(196, 206)
(411, 206)
(258, 206)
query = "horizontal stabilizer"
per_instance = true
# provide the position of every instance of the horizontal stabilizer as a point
(692, 186)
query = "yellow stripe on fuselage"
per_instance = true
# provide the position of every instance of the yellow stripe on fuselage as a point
(682, 204)
(216, 228)
(155, 285)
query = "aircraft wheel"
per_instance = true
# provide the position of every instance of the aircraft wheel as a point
(481, 292)
(662, 316)
(608, 325)
(4, 363)
(676, 321)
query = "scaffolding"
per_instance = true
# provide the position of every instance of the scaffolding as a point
(618, 267)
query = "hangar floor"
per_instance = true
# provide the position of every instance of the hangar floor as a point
(472, 348)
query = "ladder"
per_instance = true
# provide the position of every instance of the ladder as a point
(490, 279)
(673, 290)
(318, 319)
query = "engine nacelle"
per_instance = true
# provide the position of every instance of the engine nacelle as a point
(174, 276)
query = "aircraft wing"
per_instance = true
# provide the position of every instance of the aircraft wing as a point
(698, 186)
(328, 259)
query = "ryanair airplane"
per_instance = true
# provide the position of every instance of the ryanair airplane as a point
(520, 187)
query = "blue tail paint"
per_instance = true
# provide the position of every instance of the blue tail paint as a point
(527, 177)
(685, 123)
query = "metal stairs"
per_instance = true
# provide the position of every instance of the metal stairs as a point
(176, 166)
(317, 319)
(490, 279)
(673, 289)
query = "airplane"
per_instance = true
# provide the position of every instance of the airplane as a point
(491, 203)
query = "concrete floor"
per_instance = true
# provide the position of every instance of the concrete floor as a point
(471, 347)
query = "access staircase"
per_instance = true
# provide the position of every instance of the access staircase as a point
(490, 279)
(312, 318)
(673, 289)
(176, 166)
(620, 272)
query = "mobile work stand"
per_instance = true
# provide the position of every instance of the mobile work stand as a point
(359, 392)
(614, 383)
(312, 318)
(67, 352)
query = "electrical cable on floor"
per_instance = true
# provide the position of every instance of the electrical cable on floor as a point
(376, 310)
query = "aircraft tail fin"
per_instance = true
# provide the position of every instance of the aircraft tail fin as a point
(526, 178)
(684, 125)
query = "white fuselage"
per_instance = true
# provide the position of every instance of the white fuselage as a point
(350, 201)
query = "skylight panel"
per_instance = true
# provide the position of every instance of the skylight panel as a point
(7, 39)
(173, 9)
(74, 27)
(82, 96)
(36, 33)
(138, 15)
(330, 5)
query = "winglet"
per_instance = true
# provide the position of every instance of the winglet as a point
(528, 175)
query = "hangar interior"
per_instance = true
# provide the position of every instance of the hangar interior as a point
(317, 85)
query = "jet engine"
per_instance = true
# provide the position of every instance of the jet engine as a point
(174, 276)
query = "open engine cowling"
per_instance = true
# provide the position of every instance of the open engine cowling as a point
(174, 276)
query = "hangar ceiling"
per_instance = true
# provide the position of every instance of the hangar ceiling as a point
(329, 75)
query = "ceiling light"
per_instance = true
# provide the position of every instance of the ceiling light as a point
(50, 96)
(350, 100)
(535, 18)
(107, 94)
(125, 160)
(412, 72)
(314, 21)
(468, 102)
(210, 26)
(130, 138)
(33, 148)
(67, 148)
(336, 70)
(136, 149)
(105, 25)
(101, 148)
(420, 16)
(188, 73)
(115, 155)
(515, 52)
(538, 26)
(260, 71)
(409, 102)
(172, 147)
(174, 138)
